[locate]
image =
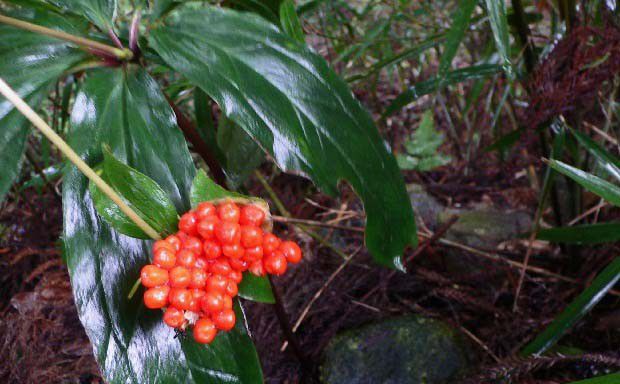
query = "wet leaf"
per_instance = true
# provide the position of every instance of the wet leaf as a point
(289, 100)
(100, 12)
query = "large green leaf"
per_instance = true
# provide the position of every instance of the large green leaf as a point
(204, 189)
(100, 12)
(582, 234)
(30, 63)
(579, 307)
(594, 184)
(125, 109)
(289, 100)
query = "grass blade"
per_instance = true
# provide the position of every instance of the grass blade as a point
(607, 161)
(582, 234)
(594, 184)
(499, 26)
(460, 22)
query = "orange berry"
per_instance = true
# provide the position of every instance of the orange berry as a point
(217, 283)
(251, 215)
(181, 298)
(238, 264)
(200, 263)
(152, 276)
(164, 257)
(193, 244)
(156, 297)
(174, 241)
(291, 251)
(253, 254)
(204, 331)
(233, 251)
(206, 227)
(228, 302)
(236, 276)
(197, 293)
(231, 288)
(187, 223)
(228, 232)
(186, 258)
(162, 244)
(199, 278)
(229, 211)
(220, 267)
(212, 249)
(270, 243)
(275, 263)
(251, 236)
(224, 319)
(180, 277)
(204, 210)
(212, 302)
(256, 268)
(174, 317)
(194, 305)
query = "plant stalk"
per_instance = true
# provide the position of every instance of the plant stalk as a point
(121, 54)
(48, 132)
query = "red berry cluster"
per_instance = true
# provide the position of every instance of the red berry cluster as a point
(195, 272)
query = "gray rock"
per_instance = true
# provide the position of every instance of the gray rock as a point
(405, 350)
(426, 207)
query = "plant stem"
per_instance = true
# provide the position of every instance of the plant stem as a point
(122, 54)
(48, 132)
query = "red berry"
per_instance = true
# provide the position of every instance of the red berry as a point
(220, 267)
(162, 244)
(187, 223)
(233, 251)
(229, 211)
(193, 244)
(174, 241)
(275, 263)
(204, 210)
(217, 283)
(212, 302)
(228, 232)
(197, 293)
(256, 268)
(212, 249)
(224, 319)
(186, 258)
(206, 227)
(152, 276)
(291, 251)
(235, 276)
(251, 236)
(165, 257)
(231, 288)
(200, 263)
(180, 277)
(270, 243)
(204, 331)
(199, 278)
(174, 317)
(228, 302)
(253, 254)
(238, 264)
(194, 304)
(156, 297)
(181, 298)
(251, 215)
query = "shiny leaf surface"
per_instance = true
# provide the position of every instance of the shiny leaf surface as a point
(204, 189)
(578, 308)
(607, 161)
(594, 184)
(126, 110)
(295, 106)
(29, 63)
(582, 234)
(100, 12)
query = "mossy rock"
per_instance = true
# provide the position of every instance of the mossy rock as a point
(410, 349)
(426, 207)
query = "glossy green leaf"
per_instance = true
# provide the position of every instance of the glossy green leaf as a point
(613, 378)
(242, 154)
(204, 189)
(607, 161)
(594, 184)
(460, 23)
(499, 25)
(578, 308)
(101, 12)
(582, 234)
(430, 86)
(290, 21)
(269, 9)
(30, 63)
(125, 109)
(289, 100)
